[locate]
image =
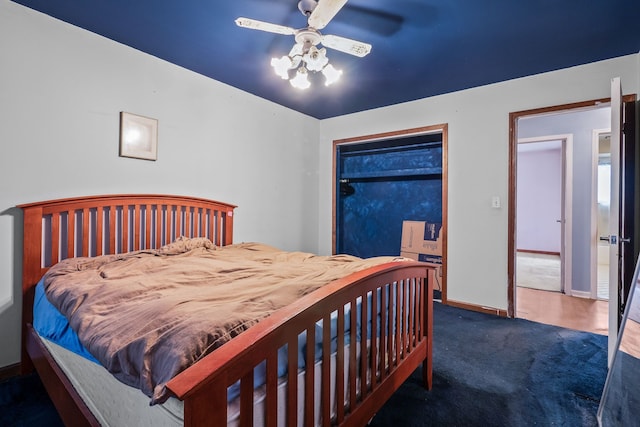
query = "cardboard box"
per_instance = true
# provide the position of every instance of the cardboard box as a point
(422, 241)
(421, 237)
(431, 259)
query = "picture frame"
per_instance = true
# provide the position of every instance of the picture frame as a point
(138, 136)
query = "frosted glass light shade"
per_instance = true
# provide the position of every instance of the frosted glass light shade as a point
(331, 75)
(301, 80)
(281, 66)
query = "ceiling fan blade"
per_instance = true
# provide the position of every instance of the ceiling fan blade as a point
(346, 45)
(254, 24)
(324, 12)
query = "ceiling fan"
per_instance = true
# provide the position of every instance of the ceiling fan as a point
(305, 55)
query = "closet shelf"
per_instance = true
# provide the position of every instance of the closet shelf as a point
(408, 173)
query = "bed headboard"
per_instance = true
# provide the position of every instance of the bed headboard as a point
(111, 224)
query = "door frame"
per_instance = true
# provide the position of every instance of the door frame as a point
(443, 129)
(513, 155)
(566, 224)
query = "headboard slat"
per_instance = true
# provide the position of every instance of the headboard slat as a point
(112, 230)
(203, 221)
(214, 228)
(188, 214)
(136, 219)
(99, 230)
(71, 233)
(55, 237)
(125, 229)
(85, 232)
(158, 222)
(148, 215)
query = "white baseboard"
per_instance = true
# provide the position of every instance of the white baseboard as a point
(580, 294)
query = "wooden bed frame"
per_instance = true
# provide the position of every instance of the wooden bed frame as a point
(97, 225)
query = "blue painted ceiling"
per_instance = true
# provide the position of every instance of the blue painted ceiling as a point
(420, 48)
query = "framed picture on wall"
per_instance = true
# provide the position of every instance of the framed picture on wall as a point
(138, 136)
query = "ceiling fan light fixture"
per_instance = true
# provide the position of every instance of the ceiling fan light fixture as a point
(282, 66)
(301, 80)
(331, 75)
(305, 56)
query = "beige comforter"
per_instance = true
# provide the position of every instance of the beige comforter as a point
(148, 315)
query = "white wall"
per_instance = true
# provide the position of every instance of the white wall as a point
(61, 91)
(478, 121)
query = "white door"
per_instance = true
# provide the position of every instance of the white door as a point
(614, 218)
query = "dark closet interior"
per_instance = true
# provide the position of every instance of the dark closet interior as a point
(379, 185)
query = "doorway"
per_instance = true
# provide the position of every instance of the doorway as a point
(624, 223)
(572, 125)
(543, 214)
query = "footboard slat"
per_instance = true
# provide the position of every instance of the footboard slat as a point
(246, 399)
(374, 338)
(325, 395)
(398, 334)
(384, 312)
(392, 326)
(309, 378)
(272, 389)
(340, 385)
(412, 322)
(292, 381)
(352, 356)
(363, 345)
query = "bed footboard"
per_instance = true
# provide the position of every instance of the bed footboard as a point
(389, 347)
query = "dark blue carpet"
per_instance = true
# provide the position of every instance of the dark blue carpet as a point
(25, 403)
(492, 371)
(488, 371)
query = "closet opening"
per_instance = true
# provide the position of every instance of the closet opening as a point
(385, 186)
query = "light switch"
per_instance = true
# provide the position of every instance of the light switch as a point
(495, 202)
